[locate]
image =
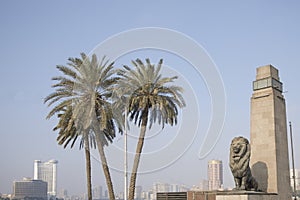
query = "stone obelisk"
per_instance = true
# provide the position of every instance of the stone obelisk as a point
(268, 134)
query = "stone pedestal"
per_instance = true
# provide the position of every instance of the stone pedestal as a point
(217, 195)
(245, 195)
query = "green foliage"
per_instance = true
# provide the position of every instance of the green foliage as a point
(82, 100)
(146, 89)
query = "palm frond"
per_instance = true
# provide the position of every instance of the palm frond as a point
(67, 71)
(59, 107)
(151, 93)
(83, 93)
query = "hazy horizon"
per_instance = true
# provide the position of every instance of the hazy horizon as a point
(238, 37)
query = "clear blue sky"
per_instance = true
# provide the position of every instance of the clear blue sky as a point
(36, 36)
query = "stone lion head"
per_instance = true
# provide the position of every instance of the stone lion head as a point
(238, 149)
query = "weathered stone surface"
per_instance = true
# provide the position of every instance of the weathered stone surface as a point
(268, 137)
(246, 196)
(239, 164)
(217, 195)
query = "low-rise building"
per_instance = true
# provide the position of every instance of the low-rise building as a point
(28, 189)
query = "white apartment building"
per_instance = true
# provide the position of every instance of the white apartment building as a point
(215, 174)
(46, 171)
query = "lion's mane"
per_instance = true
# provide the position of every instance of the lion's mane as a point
(239, 162)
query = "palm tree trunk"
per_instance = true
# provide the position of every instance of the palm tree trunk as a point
(137, 157)
(105, 168)
(88, 167)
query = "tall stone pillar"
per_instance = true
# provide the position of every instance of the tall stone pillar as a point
(268, 134)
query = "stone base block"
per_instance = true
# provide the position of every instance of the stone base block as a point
(246, 195)
(217, 195)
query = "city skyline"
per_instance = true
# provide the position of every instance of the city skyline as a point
(239, 37)
(100, 192)
(46, 172)
(213, 181)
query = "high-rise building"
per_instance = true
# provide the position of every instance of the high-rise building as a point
(30, 189)
(138, 192)
(215, 174)
(106, 194)
(97, 192)
(46, 171)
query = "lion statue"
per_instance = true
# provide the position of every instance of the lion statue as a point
(239, 164)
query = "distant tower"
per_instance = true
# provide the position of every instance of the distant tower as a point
(46, 171)
(97, 192)
(215, 174)
(138, 192)
(268, 134)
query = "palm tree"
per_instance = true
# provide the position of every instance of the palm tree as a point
(84, 108)
(150, 98)
(68, 132)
